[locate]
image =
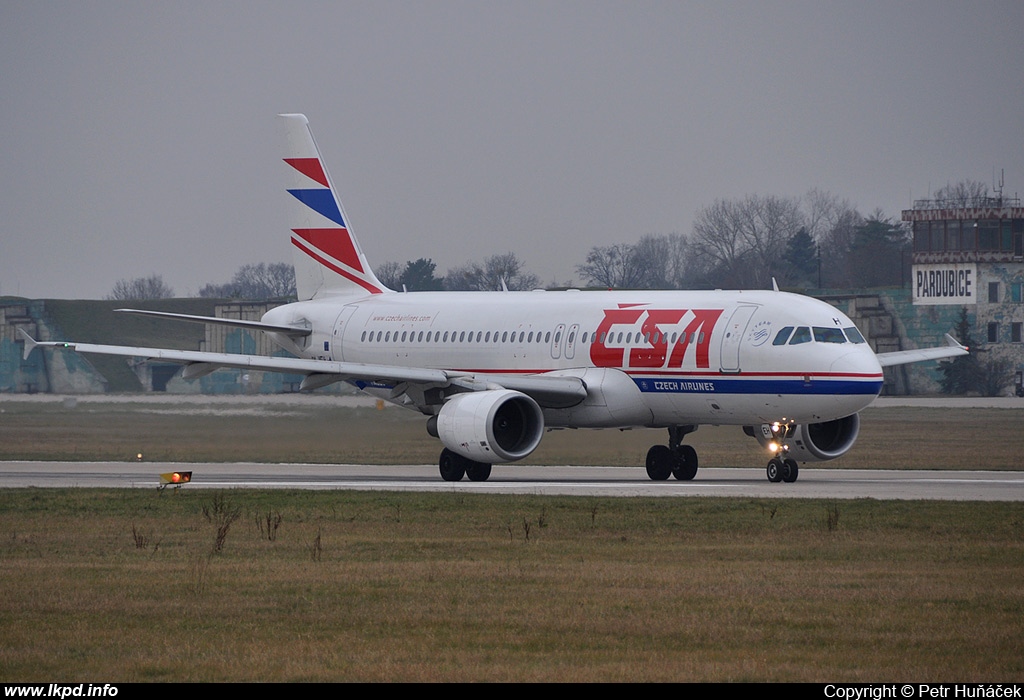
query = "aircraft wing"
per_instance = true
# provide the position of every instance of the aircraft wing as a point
(553, 391)
(903, 357)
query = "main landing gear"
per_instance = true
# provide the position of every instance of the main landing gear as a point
(782, 470)
(674, 459)
(454, 466)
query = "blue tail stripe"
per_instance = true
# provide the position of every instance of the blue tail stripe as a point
(321, 201)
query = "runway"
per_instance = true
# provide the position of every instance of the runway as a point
(515, 478)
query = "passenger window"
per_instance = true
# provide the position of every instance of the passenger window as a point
(801, 335)
(854, 335)
(828, 335)
(783, 336)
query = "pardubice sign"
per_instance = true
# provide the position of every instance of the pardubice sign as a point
(951, 283)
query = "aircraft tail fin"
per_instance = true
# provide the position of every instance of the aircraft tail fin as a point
(328, 259)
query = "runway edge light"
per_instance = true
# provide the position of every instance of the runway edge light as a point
(175, 479)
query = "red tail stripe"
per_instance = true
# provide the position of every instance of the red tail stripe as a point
(310, 167)
(341, 271)
(334, 242)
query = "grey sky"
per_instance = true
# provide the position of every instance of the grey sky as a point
(140, 138)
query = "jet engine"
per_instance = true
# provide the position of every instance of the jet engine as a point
(492, 426)
(814, 442)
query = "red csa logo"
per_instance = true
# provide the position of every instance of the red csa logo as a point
(654, 351)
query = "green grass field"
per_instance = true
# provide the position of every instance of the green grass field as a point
(140, 585)
(129, 585)
(890, 438)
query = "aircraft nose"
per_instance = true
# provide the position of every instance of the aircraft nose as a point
(859, 361)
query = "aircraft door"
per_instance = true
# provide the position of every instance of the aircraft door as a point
(734, 330)
(340, 326)
(556, 341)
(570, 341)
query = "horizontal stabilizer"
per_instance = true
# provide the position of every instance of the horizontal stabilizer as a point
(290, 331)
(30, 343)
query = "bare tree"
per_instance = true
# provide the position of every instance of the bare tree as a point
(614, 266)
(504, 267)
(966, 193)
(741, 242)
(256, 281)
(833, 223)
(390, 275)
(151, 287)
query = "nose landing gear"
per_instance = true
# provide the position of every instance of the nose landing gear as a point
(781, 467)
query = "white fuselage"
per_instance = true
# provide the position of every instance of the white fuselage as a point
(648, 358)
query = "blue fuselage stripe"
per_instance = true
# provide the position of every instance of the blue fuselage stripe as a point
(717, 385)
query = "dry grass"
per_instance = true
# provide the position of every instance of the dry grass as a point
(128, 585)
(903, 438)
(438, 587)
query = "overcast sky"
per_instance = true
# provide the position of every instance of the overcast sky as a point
(139, 137)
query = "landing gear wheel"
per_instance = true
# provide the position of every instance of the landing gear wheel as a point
(685, 467)
(477, 471)
(790, 470)
(660, 462)
(774, 470)
(451, 465)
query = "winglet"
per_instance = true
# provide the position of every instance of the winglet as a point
(954, 343)
(775, 285)
(30, 343)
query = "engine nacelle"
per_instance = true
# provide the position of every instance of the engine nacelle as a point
(490, 426)
(814, 442)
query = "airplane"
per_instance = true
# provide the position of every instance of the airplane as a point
(491, 371)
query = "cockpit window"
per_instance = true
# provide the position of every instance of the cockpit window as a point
(783, 336)
(801, 335)
(828, 335)
(854, 335)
